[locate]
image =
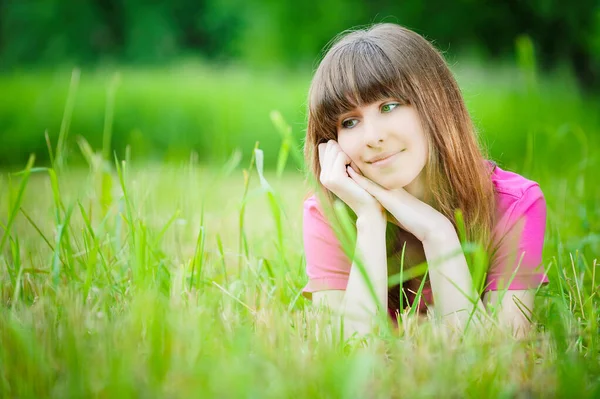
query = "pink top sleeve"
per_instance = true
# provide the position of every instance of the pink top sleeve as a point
(327, 266)
(519, 236)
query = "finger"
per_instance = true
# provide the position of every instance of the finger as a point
(340, 162)
(355, 167)
(372, 188)
(327, 159)
(332, 151)
(331, 148)
(358, 178)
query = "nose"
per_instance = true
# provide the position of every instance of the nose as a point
(374, 132)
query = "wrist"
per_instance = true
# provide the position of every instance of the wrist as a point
(372, 217)
(442, 233)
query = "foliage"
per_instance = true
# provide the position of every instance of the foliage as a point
(268, 32)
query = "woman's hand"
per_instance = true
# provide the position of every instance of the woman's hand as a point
(412, 215)
(334, 177)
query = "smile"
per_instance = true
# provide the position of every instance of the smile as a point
(386, 161)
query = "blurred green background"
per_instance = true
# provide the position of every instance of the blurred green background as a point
(172, 78)
(174, 275)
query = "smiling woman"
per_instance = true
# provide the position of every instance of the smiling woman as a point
(387, 143)
(389, 135)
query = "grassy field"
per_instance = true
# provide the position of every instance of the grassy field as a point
(138, 279)
(164, 112)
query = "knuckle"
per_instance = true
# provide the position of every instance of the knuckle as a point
(328, 182)
(323, 178)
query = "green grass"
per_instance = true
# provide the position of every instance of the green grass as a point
(153, 279)
(140, 299)
(161, 112)
(164, 112)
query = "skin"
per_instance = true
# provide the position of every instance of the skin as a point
(372, 130)
(395, 190)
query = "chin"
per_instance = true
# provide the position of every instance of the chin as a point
(395, 182)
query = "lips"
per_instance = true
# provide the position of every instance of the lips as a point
(384, 156)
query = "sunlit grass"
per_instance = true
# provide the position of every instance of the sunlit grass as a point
(106, 304)
(131, 278)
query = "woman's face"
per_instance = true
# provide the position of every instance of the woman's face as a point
(390, 130)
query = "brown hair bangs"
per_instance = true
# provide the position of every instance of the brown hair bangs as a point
(352, 75)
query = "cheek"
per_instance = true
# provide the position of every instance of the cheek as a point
(349, 146)
(419, 143)
(423, 148)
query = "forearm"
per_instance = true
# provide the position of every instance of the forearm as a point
(361, 304)
(451, 282)
(512, 308)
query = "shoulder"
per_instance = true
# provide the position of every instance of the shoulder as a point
(518, 232)
(312, 208)
(516, 197)
(311, 203)
(314, 219)
(509, 184)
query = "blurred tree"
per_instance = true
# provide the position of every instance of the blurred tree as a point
(151, 31)
(263, 32)
(565, 32)
(48, 31)
(112, 38)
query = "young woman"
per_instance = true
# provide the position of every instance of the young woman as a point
(389, 135)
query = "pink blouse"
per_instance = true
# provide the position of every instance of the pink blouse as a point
(518, 238)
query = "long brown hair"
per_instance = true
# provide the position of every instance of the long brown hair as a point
(387, 60)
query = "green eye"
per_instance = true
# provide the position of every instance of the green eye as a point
(347, 125)
(389, 107)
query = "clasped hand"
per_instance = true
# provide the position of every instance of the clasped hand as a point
(364, 195)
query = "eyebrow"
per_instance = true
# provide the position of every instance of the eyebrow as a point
(346, 114)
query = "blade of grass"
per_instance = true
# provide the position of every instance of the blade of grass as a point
(66, 120)
(16, 204)
(61, 228)
(109, 115)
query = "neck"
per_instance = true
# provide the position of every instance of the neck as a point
(418, 188)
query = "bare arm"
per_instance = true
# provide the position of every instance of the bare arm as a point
(356, 305)
(513, 309)
(451, 280)
(456, 299)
